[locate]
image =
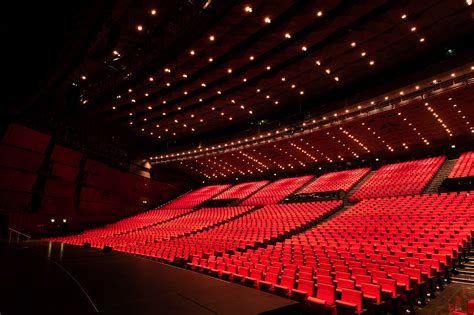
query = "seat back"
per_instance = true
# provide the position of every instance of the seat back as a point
(360, 279)
(287, 281)
(271, 277)
(305, 276)
(376, 275)
(324, 279)
(413, 272)
(345, 284)
(388, 285)
(354, 297)
(306, 285)
(243, 271)
(326, 292)
(402, 279)
(255, 273)
(372, 290)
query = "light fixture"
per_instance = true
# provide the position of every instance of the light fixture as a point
(211, 60)
(362, 54)
(139, 28)
(320, 13)
(83, 77)
(303, 48)
(413, 28)
(422, 40)
(371, 62)
(211, 38)
(404, 16)
(248, 9)
(287, 35)
(267, 20)
(153, 12)
(52, 220)
(353, 44)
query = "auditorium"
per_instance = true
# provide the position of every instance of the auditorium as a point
(237, 157)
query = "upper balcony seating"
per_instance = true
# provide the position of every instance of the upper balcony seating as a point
(196, 197)
(241, 191)
(464, 166)
(344, 180)
(276, 191)
(400, 179)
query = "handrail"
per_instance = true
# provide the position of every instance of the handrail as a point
(18, 234)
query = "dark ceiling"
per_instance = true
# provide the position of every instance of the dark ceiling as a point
(182, 73)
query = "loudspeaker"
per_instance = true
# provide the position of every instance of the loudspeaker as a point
(87, 245)
(107, 249)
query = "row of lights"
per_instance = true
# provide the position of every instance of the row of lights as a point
(170, 157)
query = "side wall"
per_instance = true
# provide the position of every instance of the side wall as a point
(41, 181)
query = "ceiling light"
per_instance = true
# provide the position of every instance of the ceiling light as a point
(268, 67)
(251, 57)
(336, 78)
(469, 2)
(301, 92)
(267, 20)
(153, 12)
(248, 9)
(287, 35)
(83, 77)
(229, 70)
(404, 16)
(320, 13)
(303, 48)
(283, 79)
(150, 79)
(422, 40)
(318, 62)
(192, 52)
(413, 28)
(139, 28)
(362, 54)
(353, 44)
(116, 53)
(211, 60)
(328, 71)
(211, 38)
(167, 70)
(371, 62)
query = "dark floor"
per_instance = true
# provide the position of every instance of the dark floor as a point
(51, 278)
(453, 298)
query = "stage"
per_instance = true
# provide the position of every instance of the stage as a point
(39, 277)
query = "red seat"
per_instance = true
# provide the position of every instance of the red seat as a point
(286, 284)
(304, 289)
(269, 282)
(324, 300)
(372, 291)
(350, 302)
(254, 278)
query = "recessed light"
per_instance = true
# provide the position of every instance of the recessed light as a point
(287, 35)
(248, 9)
(404, 16)
(320, 13)
(371, 62)
(139, 28)
(422, 40)
(192, 52)
(353, 44)
(211, 38)
(153, 12)
(83, 77)
(267, 20)
(413, 28)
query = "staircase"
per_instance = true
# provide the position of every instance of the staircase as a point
(441, 175)
(465, 274)
(357, 186)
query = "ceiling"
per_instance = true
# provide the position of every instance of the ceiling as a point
(184, 74)
(420, 126)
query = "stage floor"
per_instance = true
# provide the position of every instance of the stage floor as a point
(51, 278)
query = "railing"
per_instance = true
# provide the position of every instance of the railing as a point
(16, 236)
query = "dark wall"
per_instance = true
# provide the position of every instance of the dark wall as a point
(41, 181)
